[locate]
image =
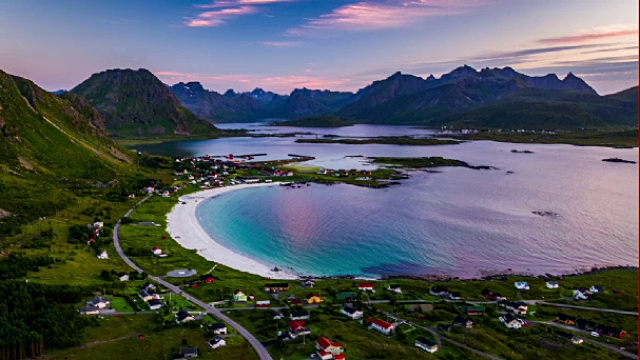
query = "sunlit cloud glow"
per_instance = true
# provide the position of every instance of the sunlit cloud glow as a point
(219, 17)
(281, 43)
(244, 82)
(609, 32)
(367, 15)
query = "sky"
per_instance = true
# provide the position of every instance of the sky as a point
(280, 45)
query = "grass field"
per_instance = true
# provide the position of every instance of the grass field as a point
(117, 338)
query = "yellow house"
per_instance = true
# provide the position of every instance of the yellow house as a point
(314, 299)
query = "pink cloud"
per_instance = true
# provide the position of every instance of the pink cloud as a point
(219, 17)
(226, 3)
(281, 43)
(590, 36)
(365, 15)
(245, 82)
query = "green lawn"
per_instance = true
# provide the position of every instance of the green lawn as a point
(117, 338)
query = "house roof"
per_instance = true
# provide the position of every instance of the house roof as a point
(298, 313)
(383, 324)
(188, 350)
(88, 308)
(346, 295)
(238, 292)
(154, 302)
(476, 308)
(426, 341)
(365, 285)
(565, 317)
(325, 342)
(216, 326)
(98, 299)
(215, 340)
(509, 318)
(350, 310)
(297, 324)
(182, 314)
(460, 320)
(277, 285)
(340, 357)
(394, 286)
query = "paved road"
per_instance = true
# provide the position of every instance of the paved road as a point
(260, 350)
(587, 339)
(590, 308)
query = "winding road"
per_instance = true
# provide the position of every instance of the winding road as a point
(262, 352)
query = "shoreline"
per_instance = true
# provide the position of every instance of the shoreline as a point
(186, 230)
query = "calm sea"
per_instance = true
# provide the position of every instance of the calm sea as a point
(459, 222)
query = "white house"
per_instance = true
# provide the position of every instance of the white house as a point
(366, 287)
(596, 289)
(154, 304)
(522, 285)
(217, 342)
(89, 310)
(352, 312)
(580, 294)
(395, 289)
(218, 329)
(517, 307)
(511, 321)
(99, 302)
(427, 345)
(552, 285)
(156, 251)
(382, 326)
(103, 255)
(184, 316)
(123, 277)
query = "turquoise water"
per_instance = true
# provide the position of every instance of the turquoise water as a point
(459, 222)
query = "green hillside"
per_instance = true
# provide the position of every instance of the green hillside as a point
(53, 151)
(136, 104)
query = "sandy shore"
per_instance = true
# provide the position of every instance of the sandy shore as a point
(185, 228)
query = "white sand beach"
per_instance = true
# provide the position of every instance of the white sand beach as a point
(185, 229)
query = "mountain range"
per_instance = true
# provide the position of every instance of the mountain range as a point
(464, 97)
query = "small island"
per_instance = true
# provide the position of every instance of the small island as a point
(618, 160)
(386, 140)
(426, 162)
(321, 121)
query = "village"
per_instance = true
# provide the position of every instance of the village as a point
(333, 318)
(290, 314)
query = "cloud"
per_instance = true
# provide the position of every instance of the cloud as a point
(281, 43)
(608, 32)
(219, 17)
(246, 82)
(369, 15)
(227, 3)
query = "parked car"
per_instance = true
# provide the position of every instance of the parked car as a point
(595, 334)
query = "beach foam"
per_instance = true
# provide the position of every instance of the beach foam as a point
(185, 229)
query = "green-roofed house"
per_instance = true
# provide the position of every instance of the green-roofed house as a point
(346, 295)
(476, 310)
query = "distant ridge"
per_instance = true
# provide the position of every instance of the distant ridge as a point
(464, 97)
(136, 104)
